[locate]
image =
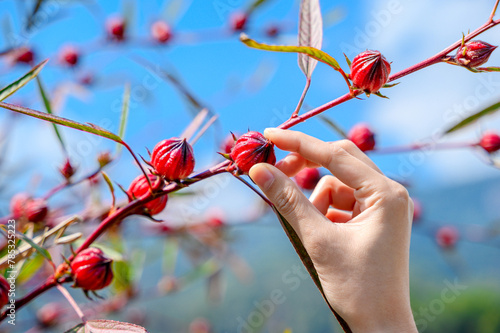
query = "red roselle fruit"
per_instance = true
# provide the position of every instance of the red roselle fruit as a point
(140, 187)
(490, 142)
(362, 136)
(307, 178)
(272, 31)
(23, 54)
(4, 291)
(67, 170)
(369, 71)
(91, 269)
(116, 28)
(24, 206)
(69, 56)
(50, 314)
(161, 31)
(200, 325)
(250, 149)
(173, 159)
(228, 143)
(238, 21)
(474, 53)
(447, 237)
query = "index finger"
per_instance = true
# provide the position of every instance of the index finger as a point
(348, 169)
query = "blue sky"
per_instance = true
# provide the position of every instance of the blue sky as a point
(222, 73)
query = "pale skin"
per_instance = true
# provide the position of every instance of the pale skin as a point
(356, 227)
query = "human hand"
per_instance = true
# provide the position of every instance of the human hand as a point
(356, 228)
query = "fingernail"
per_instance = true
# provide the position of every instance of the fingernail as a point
(262, 176)
(270, 131)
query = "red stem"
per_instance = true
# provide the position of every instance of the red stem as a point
(130, 209)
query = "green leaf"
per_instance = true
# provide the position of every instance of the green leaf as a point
(254, 5)
(311, 51)
(306, 260)
(89, 128)
(489, 69)
(30, 268)
(106, 326)
(333, 125)
(347, 60)
(124, 116)
(48, 108)
(37, 247)
(16, 85)
(473, 118)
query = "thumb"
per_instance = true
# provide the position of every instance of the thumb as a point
(287, 198)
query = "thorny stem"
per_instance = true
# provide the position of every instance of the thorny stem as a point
(133, 206)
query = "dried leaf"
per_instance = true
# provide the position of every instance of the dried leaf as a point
(310, 33)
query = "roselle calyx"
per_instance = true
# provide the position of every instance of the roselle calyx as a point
(474, 53)
(161, 31)
(91, 269)
(362, 136)
(447, 237)
(4, 291)
(140, 186)
(173, 159)
(250, 149)
(238, 21)
(24, 206)
(69, 56)
(369, 71)
(116, 28)
(308, 178)
(490, 141)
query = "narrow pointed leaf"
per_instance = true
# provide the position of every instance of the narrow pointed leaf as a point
(48, 108)
(333, 126)
(310, 33)
(254, 5)
(473, 118)
(16, 85)
(124, 116)
(489, 69)
(35, 246)
(306, 260)
(311, 51)
(89, 128)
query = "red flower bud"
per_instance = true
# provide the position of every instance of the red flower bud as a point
(370, 71)
(49, 315)
(272, 31)
(116, 28)
(4, 291)
(24, 206)
(161, 32)
(173, 159)
(23, 54)
(238, 21)
(447, 237)
(250, 149)
(67, 170)
(307, 178)
(140, 187)
(69, 56)
(91, 269)
(474, 53)
(490, 142)
(362, 137)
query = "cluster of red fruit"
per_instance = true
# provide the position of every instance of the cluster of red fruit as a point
(172, 160)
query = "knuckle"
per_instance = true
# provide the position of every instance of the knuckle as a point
(398, 195)
(346, 144)
(286, 200)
